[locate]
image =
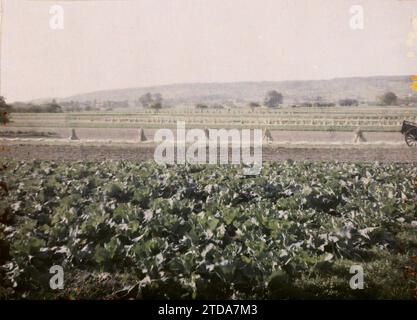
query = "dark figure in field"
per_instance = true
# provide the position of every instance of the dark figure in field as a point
(359, 137)
(5, 118)
(207, 133)
(267, 135)
(73, 135)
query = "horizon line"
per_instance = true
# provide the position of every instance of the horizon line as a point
(202, 83)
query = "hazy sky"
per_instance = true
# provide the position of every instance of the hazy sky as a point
(132, 43)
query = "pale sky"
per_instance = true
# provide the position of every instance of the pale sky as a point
(134, 43)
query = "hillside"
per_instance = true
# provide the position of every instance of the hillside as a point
(364, 88)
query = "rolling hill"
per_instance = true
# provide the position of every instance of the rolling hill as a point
(362, 88)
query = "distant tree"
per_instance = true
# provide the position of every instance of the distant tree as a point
(273, 99)
(146, 100)
(201, 106)
(22, 107)
(348, 102)
(156, 106)
(324, 104)
(4, 111)
(253, 105)
(52, 107)
(389, 99)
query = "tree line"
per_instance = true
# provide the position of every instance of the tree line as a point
(155, 101)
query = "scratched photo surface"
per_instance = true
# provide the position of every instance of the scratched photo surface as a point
(210, 149)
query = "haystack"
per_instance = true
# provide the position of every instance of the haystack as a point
(267, 135)
(358, 137)
(142, 136)
(207, 133)
(73, 135)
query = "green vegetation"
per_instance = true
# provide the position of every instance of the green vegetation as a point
(273, 99)
(253, 105)
(388, 99)
(148, 100)
(4, 111)
(156, 106)
(201, 106)
(21, 107)
(348, 102)
(138, 230)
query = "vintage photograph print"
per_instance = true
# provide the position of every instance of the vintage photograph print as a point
(208, 149)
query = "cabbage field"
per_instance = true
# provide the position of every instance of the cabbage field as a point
(127, 229)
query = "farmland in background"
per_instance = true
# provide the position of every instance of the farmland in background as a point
(294, 132)
(298, 119)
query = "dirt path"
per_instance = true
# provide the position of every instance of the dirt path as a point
(27, 151)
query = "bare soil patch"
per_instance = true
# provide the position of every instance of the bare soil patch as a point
(22, 151)
(28, 134)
